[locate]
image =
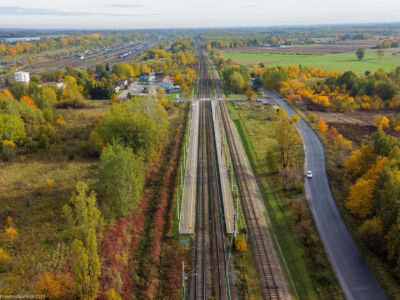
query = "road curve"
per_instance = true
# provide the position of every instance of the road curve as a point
(355, 278)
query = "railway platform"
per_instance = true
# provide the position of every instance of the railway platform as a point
(227, 200)
(188, 206)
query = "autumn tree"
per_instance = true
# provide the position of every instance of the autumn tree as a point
(322, 126)
(29, 101)
(83, 220)
(382, 121)
(123, 71)
(50, 286)
(371, 232)
(250, 93)
(240, 244)
(71, 95)
(10, 230)
(360, 200)
(313, 118)
(288, 141)
(359, 162)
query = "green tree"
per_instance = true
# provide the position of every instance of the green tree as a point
(383, 143)
(140, 124)
(17, 89)
(236, 82)
(360, 53)
(101, 69)
(83, 221)
(257, 83)
(47, 98)
(121, 180)
(12, 128)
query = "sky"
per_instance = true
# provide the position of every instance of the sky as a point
(131, 14)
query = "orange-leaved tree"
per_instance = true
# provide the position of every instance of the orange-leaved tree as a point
(322, 126)
(29, 101)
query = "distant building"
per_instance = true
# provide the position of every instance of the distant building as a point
(60, 84)
(166, 82)
(166, 79)
(152, 77)
(174, 89)
(22, 77)
(120, 85)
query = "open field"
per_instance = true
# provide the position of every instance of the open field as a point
(340, 62)
(33, 190)
(312, 48)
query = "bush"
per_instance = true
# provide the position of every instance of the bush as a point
(43, 141)
(31, 145)
(12, 128)
(48, 115)
(8, 153)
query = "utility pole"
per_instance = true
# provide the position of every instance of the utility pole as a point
(183, 280)
(177, 203)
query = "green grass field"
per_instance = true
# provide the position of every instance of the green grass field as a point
(341, 62)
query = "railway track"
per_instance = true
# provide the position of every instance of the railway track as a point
(215, 78)
(200, 287)
(204, 79)
(210, 256)
(210, 280)
(88, 62)
(217, 239)
(261, 244)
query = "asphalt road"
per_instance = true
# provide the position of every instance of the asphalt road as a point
(355, 278)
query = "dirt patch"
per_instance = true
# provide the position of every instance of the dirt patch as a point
(358, 134)
(357, 127)
(359, 118)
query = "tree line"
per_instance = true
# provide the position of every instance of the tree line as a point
(85, 42)
(334, 91)
(374, 174)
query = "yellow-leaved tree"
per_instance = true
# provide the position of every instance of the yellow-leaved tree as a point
(360, 200)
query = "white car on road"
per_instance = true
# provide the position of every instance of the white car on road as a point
(309, 174)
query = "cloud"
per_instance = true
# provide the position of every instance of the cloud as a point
(124, 5)
(22, 11)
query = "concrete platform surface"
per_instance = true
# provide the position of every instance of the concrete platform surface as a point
(188, 206)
